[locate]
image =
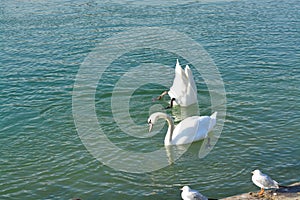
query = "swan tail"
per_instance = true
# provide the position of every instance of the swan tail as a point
(177, 62)
(214, 115)
(213, 120)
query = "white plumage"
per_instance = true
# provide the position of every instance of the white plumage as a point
(189, 130)
(263, 181)
(184, 90)
(190, 194)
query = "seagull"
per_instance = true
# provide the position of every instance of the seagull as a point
(263, 181)
(190, 194)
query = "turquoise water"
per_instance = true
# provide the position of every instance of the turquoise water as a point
(254, 44)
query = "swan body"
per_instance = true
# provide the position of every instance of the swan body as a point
(263, 181)
(184, 90)
(190, 194)
(189, 130)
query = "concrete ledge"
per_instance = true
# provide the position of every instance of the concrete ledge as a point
(291, 192)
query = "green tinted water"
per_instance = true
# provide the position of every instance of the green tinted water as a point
(255, 46)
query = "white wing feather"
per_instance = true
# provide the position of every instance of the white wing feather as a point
(184, 89)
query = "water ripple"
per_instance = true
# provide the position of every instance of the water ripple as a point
(254, 44)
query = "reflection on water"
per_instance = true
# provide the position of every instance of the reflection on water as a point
(175, 151)
(180, 113)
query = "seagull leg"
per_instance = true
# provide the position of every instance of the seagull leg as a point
(261, 191)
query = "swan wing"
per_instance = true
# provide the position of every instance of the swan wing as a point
(185, 131)
(184, 89)
(179, 87)
(191, 90)
(193, 128)
(203, 123)
(189, 130)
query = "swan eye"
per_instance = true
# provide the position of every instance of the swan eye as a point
(149, 122)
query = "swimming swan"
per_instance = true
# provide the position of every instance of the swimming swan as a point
(183, 91)
(189, 130)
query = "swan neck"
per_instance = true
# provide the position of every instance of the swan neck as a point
(171, 126)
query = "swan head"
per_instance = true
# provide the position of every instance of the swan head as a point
(150, 125)
(154, 117)
(151, 120)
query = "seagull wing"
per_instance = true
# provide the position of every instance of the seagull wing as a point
(267, 182)
(195, 195)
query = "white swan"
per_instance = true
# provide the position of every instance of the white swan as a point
(189, 130)
(183, 91)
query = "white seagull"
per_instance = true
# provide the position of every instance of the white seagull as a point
(263, 181)
(189, 130)
(190, 194)
(183, 92)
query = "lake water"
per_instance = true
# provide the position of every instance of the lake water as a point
(253, 47)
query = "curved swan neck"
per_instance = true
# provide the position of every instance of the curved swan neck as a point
(171, 127)
(155, 116)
